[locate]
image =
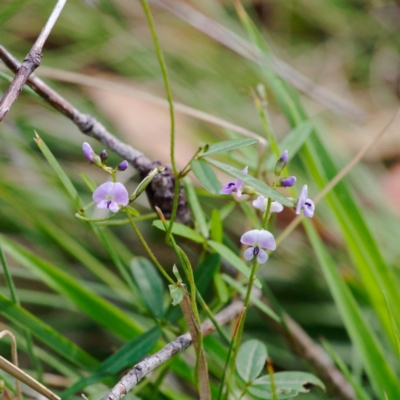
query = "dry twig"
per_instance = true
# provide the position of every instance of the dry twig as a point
(31, 62)
(143, 368)
(161, 190)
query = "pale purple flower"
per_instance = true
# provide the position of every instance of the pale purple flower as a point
(111, 195)
(234, 186)
(288, 182)
(88, 151)
(305, 204)
(261, 203)
(281, 163)
(258, 240)
(123, 165)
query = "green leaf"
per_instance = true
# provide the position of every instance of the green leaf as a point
(376, 363)
(216, 226)
(288, 385)
(149, 285)
(182, 230)
(59, 171)
(221, 288)
(46, 334)
(94, 306)
(233, 259)
(177, 294)
(251, 359)
(292, 142)
(206, 176)
(126, 356)
(228, 145)
(195, 206)
(261, 187)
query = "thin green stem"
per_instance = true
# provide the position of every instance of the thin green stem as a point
(149, 252)
(238, 337)
(86, 219)
(164, 72)
(267, 214)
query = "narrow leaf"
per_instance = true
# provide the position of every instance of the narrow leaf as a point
(206, 176)
(182, 230)
(228, 145)
(149, 285)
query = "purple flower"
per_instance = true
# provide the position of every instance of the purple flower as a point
(234, 186)
(281, 163)
(261, 203)
(258, 240)
(88, 151)
(288, 182)
(111, 195)
(305, 204)
(123, 165)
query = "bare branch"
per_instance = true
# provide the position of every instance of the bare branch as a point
(140, 370)
(31, 62)
(160, 191)
(240, 46)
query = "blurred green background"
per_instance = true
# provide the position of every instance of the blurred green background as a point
(100, 56)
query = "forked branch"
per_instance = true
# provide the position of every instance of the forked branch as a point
(31, 62)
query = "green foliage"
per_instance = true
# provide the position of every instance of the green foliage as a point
(89, 295)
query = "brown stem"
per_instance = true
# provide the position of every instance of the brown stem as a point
(31, 62)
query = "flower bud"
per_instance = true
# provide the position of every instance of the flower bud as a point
(88, 151)
(103, 156)
(281, 163)
(123, 165)
(287, 182)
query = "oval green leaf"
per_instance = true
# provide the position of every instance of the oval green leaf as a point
(251, 359)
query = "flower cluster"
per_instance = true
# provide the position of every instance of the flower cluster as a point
(111, 195)
(262, 239)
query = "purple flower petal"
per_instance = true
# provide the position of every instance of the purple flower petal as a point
(123, 165)
(260, 203)
(250, 237)
(288, 182)
(262, 256)
(113, 206)
(102, 192)
(266, 240)
(228, 188)
(249, 253)
(309, 208)
(302, 199)
(103, 204)
(120, 194)
(88, 151)
(111, 195)
(276, 207)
